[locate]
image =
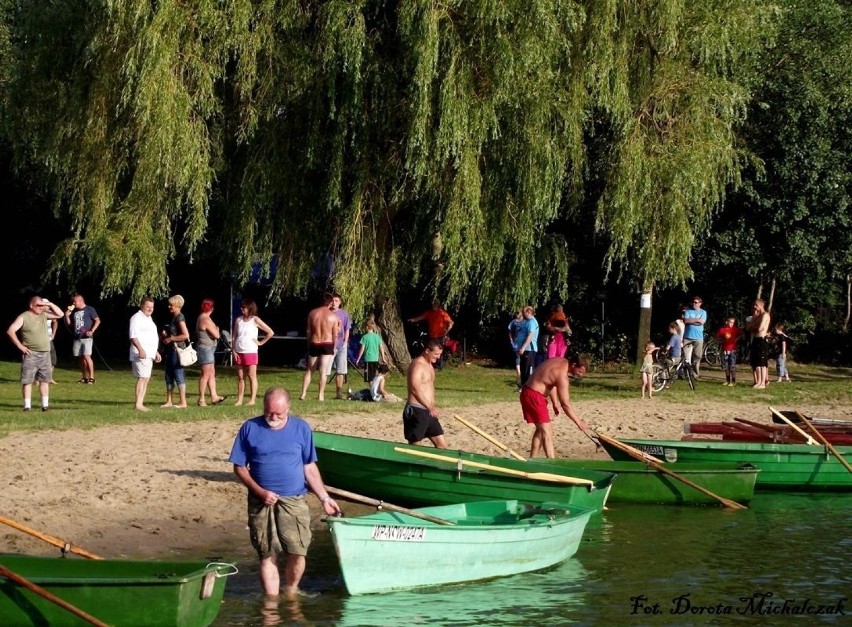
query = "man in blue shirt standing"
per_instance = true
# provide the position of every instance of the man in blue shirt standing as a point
(694, 320)
(529, 345)
(275, 458)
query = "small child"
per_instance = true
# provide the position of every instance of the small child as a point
(782, 341)
(729, 335)
(376, 392)
(372, 349)
(674, 347)
(647, 370)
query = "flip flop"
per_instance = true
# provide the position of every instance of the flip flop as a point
(220, 401)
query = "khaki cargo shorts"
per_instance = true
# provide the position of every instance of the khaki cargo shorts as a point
(283, 527)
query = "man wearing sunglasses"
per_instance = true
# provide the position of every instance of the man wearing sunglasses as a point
(694, 320)
(34, 344)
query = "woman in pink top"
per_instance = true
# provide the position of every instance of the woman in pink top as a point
(246, 340)
(557, 326)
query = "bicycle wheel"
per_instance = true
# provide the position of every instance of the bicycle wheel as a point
(713, 353)
(659, 378)
(452, 359)
(689, 373)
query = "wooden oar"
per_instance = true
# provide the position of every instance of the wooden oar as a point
(808, 439)
(358, 498)
(819, 436)
(65, 546)
(536, 476)
(491, 439)
(26, 583)
(656, 465)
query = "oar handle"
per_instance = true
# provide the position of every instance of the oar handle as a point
(26, 583)
(639, 455)
(534, 476)
(808, 439)
(490, 438)
(65, 546)
(366, 500)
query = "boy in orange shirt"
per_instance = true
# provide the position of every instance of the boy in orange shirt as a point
(729, 335)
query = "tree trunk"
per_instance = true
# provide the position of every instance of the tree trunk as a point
(848, 302)
(771, 295)
(390, 322)
(644, 334)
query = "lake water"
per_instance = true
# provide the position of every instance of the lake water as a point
(784, 560)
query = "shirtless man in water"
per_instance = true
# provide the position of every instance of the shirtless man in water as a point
(420, 416)
(323, 326)
(550, 381)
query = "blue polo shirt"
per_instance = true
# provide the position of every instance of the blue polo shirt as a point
(275, 458)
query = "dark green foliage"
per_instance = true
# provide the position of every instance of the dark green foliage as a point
(792, 219)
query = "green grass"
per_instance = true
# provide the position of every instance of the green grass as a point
(110, 400)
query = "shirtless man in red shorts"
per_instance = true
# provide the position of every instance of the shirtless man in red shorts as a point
(323, 325)
(550, 380)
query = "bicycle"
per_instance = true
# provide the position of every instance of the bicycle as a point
(418, 344)
(664, 372)
(451, 355)
(713, 352)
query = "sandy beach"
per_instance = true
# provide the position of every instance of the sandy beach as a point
(154, 489)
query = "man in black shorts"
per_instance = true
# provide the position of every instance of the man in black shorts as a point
(420, 416)
(323, 326)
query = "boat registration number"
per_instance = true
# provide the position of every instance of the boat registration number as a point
(398, 534)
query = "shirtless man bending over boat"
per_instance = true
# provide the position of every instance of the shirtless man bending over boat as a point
(323, 326)
(550, 380)
(420, 416)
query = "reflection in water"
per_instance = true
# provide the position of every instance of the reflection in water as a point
(789, 545)
(269, 611)
(525, 598)
(281, 611)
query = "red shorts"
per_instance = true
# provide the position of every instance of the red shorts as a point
(245, 359)
(534, 406)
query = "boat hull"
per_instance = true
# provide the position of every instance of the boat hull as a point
(372, 468)
(116, 592)
(390, 551)
(636, 482)
(794, 467)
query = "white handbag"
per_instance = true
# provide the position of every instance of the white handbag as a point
(186, 356)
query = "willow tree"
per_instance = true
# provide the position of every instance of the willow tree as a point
(412, 143)
(673, 93)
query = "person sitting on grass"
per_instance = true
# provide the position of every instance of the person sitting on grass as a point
(376, 392)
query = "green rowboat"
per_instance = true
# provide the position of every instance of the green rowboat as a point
(116, 592)
(373, 468)
(637, 482)
(793, 467)
(389, 551)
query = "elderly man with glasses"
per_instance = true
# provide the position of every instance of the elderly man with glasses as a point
(34, 344)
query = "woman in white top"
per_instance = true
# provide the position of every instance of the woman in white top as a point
(245, 342)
